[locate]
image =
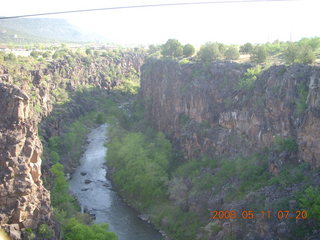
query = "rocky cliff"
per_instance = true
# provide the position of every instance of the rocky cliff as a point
(24, 202)
(221, 112)
(206, 112)
(26, 97)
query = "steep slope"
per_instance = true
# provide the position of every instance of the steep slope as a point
(24, 202)
(284, 101)
(247, 142)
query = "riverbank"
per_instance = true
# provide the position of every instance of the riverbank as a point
(95, 193)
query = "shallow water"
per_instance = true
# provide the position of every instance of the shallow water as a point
(100, 199)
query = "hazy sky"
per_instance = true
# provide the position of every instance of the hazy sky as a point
(229, 23)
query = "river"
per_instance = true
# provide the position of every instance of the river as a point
(95, 193)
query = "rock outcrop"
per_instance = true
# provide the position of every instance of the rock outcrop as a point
(24, 201)
(204, 110)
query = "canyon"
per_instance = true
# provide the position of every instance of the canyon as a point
(27, 98)
(201, 108)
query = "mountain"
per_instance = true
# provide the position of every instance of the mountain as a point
(43, 29)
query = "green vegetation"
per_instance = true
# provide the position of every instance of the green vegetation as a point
(250, 76)
(45, 232)
(285, 144)
(310, 201)
(246, 48)
(232, 53)
(209, 52)
(188, 50)
(304, 51)
(291, 174)
(74, 225)
(259, 54)
(172, 48)
(147, 160)
(78, 231)
(301, 102)
(142, 162)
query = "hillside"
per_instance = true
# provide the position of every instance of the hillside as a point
(43, 30)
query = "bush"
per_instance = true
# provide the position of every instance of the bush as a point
(141, 164)
(10, 57)
(100, 119)
(232, 53)
(301, 101)
(45, 232)
(285, 144)
(54, 156)
(188, 50)
(259, 54)
(172, 48)
(60, 196)
(310, 201)
(246, 48)
(209, 52)
(77, 231)
(250, 77)
(297, 53)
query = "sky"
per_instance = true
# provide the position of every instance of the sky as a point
(230, 23)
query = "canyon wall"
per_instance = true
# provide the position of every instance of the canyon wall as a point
(26, 97)
(203, 109)
(252, 136)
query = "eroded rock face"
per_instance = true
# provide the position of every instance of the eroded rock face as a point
(24, 202)
(205, 112)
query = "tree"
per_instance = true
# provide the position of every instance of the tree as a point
(172, 48)
(88, 51)
(246, 48)
(222, 48)
(259, 54)
(34, 54)
(299, 53)
(154, 48)
(232, 53)
(291, 54)
(209, 51)
(306, 55)
(10, 57)
(188, 50)
(77, 231)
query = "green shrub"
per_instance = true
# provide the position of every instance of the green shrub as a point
(45, 232)
(259, 54)
(232, 53)
(172, 48)
(250, 77)
(188, 50)
(55, 143)
(29, 234)
(77, 231)
(55, 158)
(60, 196)
(209, 52)
(100, 119)
(141, 164)
(310, 201)
(301, 102)
(299, 53)
(285, 144)
(246, 48)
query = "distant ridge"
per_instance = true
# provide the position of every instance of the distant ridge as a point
(43, 30)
